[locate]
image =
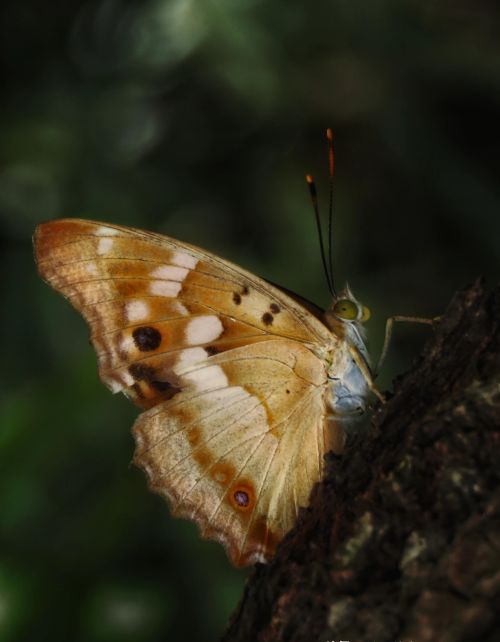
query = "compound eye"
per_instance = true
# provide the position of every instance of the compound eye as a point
(346, 309)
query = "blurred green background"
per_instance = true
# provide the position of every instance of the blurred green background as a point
(199, 119)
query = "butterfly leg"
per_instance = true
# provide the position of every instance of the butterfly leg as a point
(388, 334)
(376, 392)
(366, 374)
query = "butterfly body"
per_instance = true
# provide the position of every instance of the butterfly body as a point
(244, 389)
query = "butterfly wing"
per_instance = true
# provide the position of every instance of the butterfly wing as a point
(239, 449)
(154, 303)
(234, 432)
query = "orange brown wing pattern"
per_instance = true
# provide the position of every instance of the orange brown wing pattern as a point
(240, 448)
(153, 303)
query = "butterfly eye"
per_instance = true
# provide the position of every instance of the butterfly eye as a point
(346, 309)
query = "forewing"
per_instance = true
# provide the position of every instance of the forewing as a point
(240, 447)
(154, 304)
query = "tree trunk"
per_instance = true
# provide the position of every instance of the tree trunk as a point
(401, 541)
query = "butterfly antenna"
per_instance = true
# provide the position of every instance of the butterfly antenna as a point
(331, 167)
(314, 199)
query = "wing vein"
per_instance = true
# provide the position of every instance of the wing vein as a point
(224, 429)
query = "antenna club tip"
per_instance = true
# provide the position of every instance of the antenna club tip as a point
(329, 134)
(309, 179)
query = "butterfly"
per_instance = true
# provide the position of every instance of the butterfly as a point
(243, 387)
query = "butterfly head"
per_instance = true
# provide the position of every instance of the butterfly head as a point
(345, 317)
(345, 308)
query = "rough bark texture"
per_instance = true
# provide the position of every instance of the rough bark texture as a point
(401, 541)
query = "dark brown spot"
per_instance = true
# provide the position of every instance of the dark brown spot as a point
(267, 318)
(241, 495)
(164, 386)
(146, 338)
(141, 371)
(138, 391)
(241, 498)
(275, 308)
(245, 290)
(211, 350)
(287, 391)
(236, 298)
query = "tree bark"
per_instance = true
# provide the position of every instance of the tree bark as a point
(401, 541)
